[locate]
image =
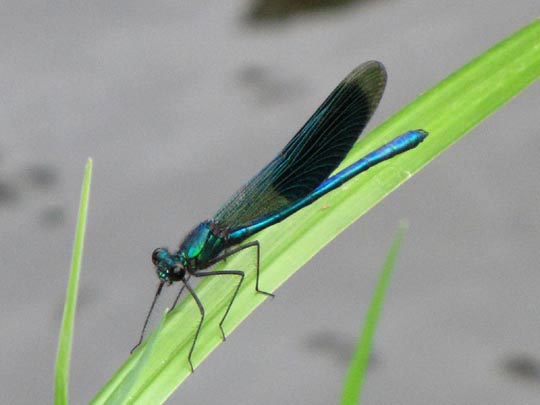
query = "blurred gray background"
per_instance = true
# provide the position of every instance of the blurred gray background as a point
(179, 103)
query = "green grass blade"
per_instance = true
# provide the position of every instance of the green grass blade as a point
(124, 394)
(352, 388)
(63, 355)
(447, 111)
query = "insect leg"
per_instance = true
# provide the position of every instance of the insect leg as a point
(209, 273)
(201, 310)
(158, 291)
(178, 296)
(231, 252)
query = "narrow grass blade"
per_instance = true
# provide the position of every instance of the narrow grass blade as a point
(447, 112)
(63, 355)
(124, 393)
(352, 388)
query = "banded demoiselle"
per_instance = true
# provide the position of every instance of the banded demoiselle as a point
(297, 177)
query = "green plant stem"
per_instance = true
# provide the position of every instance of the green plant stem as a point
(63, 356)
(354, 381)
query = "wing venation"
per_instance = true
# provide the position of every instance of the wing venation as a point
(313, 153)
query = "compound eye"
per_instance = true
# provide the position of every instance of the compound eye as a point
(157, 255)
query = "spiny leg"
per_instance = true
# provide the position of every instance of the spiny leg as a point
(201, 310)
(210, 273)
(178, 296)
(231, 252)
(158, 291)
(258, 246)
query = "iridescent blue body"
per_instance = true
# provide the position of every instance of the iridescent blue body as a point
(297, 177)
(207, 241)
(398, 145)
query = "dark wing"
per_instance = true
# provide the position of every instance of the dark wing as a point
(314, 152)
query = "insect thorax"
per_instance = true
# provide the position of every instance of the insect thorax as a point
(201, 245)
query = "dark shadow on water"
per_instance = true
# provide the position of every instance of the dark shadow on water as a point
(87, 298)
(41, 176)
(9, 194)
(268, 88)
(339, 348)
(277, 10)
(522, 367)
(52, 216)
